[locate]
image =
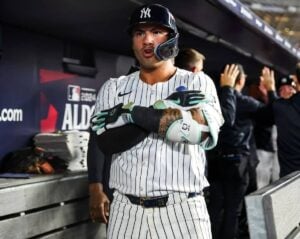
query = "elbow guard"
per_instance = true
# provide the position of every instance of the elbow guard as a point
(186, 130)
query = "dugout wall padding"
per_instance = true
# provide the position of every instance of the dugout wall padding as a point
(35, 93)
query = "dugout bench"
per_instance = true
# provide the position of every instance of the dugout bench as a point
(47, 207)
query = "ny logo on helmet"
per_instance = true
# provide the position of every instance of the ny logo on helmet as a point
(145, 12)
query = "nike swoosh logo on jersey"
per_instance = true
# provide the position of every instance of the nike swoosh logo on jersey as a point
(122, 94)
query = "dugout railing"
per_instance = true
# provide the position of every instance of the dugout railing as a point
(274, 211)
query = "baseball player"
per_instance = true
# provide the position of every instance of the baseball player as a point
(175, 115)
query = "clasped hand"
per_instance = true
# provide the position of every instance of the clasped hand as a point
(117, 116)
(184, 100)
(120, 114)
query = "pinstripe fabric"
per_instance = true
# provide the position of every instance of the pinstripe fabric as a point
(181, 218)
(154, 166)
(157, 167)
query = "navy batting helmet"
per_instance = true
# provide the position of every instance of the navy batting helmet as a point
(158, 14)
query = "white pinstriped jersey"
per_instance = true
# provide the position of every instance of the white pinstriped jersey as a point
(156, 166)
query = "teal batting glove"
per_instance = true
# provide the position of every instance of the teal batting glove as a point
(111, 118)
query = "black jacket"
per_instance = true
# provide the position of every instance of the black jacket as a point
(235, 138)
(287, 120)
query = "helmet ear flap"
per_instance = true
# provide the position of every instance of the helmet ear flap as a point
(168, 49)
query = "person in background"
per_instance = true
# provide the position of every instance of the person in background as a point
(287, 86)
(286, 112)
(228, 172)
(265, 136)
(190, 59)
(158, 180)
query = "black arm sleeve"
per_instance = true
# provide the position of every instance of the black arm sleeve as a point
(98, 165)
(147, 118)
(95, 160)
(120, 139)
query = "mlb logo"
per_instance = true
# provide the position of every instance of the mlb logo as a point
(73, 93)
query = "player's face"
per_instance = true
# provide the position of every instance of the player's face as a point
(145, 38)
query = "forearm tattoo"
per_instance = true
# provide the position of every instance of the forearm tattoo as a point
(168, 117)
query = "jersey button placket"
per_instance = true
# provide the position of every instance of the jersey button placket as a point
(143, 179)
(152, 91)
(142, 190)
